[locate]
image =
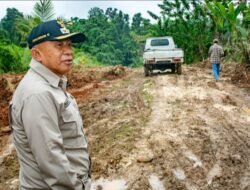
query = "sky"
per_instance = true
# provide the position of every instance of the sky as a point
(68, 9)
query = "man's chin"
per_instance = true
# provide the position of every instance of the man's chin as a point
(64, 71)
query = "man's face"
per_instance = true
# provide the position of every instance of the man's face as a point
(55, 55)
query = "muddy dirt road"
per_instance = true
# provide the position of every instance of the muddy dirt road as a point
(158, 133)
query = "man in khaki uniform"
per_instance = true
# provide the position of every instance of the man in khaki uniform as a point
(45, 120)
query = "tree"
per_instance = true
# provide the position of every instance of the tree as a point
(8, 24)
(108, 35)
(10, 58)
(188, 23)
(24, 26)
(4, 38)
(225, 15)
(44, 10)
(230, 27)
(140, 25)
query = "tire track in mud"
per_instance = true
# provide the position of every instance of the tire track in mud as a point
(233, 146)
(193, 140)
(183, 156)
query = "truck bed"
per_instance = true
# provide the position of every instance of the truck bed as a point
(162, 54)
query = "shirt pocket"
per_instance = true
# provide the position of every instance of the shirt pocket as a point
(71, 132)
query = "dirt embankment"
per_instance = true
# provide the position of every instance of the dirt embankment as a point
(161, 132)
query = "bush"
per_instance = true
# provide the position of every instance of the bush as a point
(26, 57)
(11, 58)
(85, 59)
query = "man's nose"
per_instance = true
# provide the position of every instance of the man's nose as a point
(68, 50)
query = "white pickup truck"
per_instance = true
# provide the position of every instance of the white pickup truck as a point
(160, 53)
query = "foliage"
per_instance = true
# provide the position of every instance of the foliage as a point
(140, 25)
(10, 58)
(85, 59)
(44, 10)
(187, 22)
(224, 15)
(25, 58)
(108, 34)
(4, 37)
(23, 27)
(8, 29)
(230, 28)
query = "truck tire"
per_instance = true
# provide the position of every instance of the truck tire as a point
(146, 71)
(173, 70)
(179, 68)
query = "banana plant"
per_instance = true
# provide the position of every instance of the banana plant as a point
(229, 25)
(216, 12)
(225, 16)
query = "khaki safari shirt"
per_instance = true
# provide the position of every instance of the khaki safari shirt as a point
(47, 133)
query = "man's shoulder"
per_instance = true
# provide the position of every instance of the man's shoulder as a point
(31, 84)
(218, 46)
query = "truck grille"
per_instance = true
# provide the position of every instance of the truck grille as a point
(164, 62)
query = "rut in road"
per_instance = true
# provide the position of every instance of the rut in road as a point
(197, 136)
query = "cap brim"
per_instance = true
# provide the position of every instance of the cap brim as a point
(74, 37)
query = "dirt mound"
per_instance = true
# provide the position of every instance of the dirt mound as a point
(239, 73)
(5, 96)
(204, 64)
(241, 76)
(5, 92)
(8, 83)
(81, 76)
(81, 81)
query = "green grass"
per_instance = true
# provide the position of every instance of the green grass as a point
(147, 96)
(86, 59)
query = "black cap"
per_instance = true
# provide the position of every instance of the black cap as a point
(53, 30)
(215, 40)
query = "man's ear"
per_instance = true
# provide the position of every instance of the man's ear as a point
(36, 54)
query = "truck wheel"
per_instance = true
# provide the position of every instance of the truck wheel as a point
(173, 70)
(146, 71)
(179, 68)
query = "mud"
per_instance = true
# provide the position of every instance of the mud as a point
(162, 132)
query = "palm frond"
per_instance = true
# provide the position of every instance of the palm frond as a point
(44, 9)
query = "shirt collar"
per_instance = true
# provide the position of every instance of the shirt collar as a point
(48, 75)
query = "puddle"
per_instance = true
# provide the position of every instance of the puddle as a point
(7, 150)
(179, 174)
(215, 171)
(104, 184)
(13, 183)
(177, 92)
(190, 155)
(155, 183)
(225, 108)
(245, 180)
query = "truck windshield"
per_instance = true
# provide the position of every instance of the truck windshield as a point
(159, 42)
